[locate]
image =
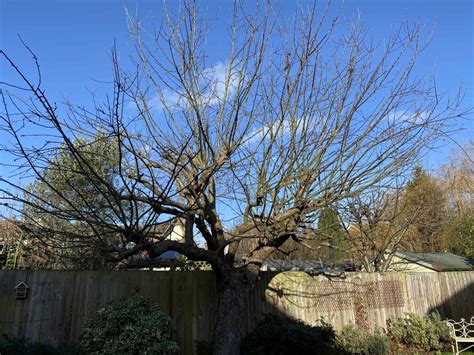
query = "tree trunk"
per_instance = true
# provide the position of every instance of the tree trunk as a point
(231, 294)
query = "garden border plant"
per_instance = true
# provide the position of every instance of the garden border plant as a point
(423, 332)
(15, 346)
(354, 340)
(276, 334)
(133, 325)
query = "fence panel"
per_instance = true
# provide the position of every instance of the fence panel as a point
(59, 302)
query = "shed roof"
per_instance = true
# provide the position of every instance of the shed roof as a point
(439, 261)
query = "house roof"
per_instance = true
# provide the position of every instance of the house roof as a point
(162, 229)
(169, 255)
(307, 265)
(293, 265)
(159, 230)
(439, 261)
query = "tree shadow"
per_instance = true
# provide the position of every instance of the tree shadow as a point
(459, 305)
(334, 299)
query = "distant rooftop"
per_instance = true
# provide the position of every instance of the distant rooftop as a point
(440, 261)
(307, 265)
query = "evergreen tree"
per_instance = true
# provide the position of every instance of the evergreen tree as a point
(425, 199)
(63, 186)
(331, 231)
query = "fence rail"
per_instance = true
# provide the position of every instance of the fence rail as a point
(58, 302)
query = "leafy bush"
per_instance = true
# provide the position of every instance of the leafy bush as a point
(132, 325)
(204, 347)
(14, 346)
(354, 341)
(377, 344)
(277, 335)
(421, 332)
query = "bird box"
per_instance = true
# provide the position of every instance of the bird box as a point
(21, 290)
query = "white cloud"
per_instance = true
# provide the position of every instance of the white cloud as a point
(171, 99)
(282, 129)
(216, 78)
(409, 117)
(212, 82)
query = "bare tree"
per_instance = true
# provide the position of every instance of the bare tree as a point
(295, 118)
(378, 227)
(457, 178)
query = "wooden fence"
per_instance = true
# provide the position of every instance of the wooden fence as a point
(58, 302)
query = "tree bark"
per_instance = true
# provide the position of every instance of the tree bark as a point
(231, 293)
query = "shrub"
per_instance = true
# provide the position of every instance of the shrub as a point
(421, 332)
(132, 325)
(22, 346)
(351, 339)
(14, 346)
(278, 335)
(354, 341)
(377, 344)
(204, 347)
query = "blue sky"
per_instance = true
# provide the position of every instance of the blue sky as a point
(73, 38)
